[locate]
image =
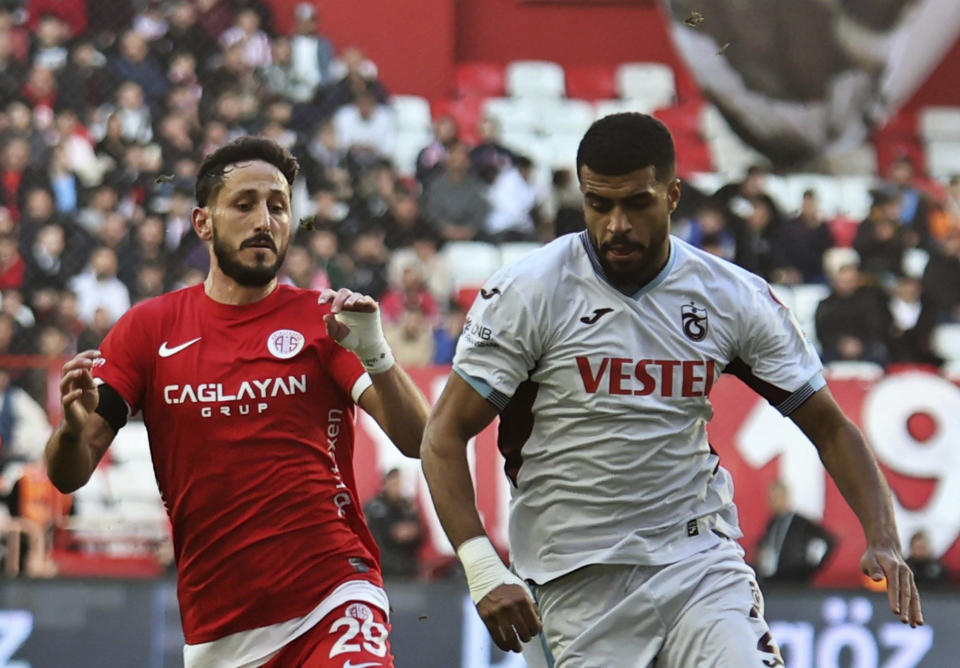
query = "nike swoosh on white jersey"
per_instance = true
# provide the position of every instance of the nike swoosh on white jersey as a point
(348, 664)
(167, 352)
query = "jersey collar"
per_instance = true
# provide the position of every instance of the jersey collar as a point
(654, 282)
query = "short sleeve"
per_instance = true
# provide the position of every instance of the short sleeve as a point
(775, 357)
(501, 341)
(347, 372)
(124, 363)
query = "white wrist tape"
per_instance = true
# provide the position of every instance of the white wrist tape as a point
(366, 340)
(485, 572)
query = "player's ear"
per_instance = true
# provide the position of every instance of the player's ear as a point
(673, 194)
(202, 222)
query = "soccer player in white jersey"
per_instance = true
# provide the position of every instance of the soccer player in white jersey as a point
(598, 352)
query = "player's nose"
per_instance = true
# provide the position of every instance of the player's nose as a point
(618, 222)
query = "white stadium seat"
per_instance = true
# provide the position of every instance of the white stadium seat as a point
(707, 182)
(618, 106)
(513, 251)
(806, 298)
(943, 159)
(406, 148)
(564, 116)
(940, 123)
(534, 78)
(471, 262)
(946, 341)
(412, 112)
(855, 195)
(511, 115)
(914, 262)
(653, 83)
(563, 150)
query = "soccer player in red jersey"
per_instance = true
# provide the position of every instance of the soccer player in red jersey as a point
(248, 391)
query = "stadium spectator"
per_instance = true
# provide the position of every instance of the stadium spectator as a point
(430, 159)
(312, 53)
(40, 90)
(266, 586)
(214, 17)
(401, 220)
(793, 548)
(323, 247)
(48, 264)
(799, 247)
(942, 276)
(151, 22)
(513, 204)
(49, 48)
(366, 125)
(135, 64)
(912, 318)
(880, 237)
(927, 569)
(136, 124)
(445, 336)
(737, 198)
(98, 286)
(409, 294)
(83, 82)
(246, 33)
(455, 201)
(423, 253)
(853, 321)
(411, 338)
(13, 71)
(913, 206)
(489, 156)
(17, 176)
(369, 257)
(708, 229)
(12, 265)
(396, 526)
(183, 34)
(356, 75)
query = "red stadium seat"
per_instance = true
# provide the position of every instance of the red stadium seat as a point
(682, 119)
(466, 296)
(843, 230)
(466, 111)
(480, 80)
(889, 150)
(902, 126)
(591, 82)
(693, 155)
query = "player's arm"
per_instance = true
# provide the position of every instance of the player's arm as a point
(398, 406)
(79, 443)
(851, 464)
(393, 400)
(500, 596)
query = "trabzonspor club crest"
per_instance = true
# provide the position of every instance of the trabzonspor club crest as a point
(694, 321)
(285, 343)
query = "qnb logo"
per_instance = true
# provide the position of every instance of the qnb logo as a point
(694, 321)
(668, 378)
(252, 392)
(850, 636)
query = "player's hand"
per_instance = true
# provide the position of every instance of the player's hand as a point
(78, 393)
(881, 561)
(354, 323)
(511, 616)
(344, 300)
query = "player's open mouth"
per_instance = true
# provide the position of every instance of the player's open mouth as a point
(259, 243)
(622, 252)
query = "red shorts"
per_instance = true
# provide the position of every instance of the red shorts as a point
(353, 635)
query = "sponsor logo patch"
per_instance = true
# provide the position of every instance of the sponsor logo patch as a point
(285, 343)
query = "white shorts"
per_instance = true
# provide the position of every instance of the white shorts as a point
(704, 611)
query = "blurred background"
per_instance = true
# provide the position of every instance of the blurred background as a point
(819, 146)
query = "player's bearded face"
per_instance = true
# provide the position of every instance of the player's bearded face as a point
(628, 219)
(236, 262)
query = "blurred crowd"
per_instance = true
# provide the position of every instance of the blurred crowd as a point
(108, 107)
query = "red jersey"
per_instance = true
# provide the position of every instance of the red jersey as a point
(251, 424)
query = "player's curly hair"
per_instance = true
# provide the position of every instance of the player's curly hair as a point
(245, 149)
(622, 143)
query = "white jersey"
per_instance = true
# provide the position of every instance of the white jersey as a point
(604, 399)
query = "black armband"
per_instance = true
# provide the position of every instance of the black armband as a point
(112, 407)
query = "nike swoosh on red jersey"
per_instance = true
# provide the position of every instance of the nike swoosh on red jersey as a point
(348, 664)
(167, 352)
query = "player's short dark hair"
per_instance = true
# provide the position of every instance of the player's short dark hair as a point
(245, 149)
(623, 143)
